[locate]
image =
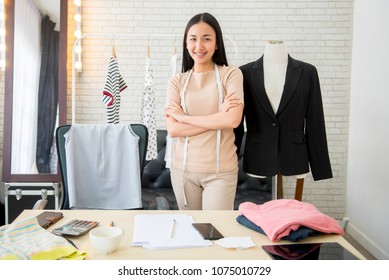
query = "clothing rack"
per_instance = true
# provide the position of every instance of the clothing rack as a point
(118, 36)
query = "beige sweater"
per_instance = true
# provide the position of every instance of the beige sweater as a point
(201, 99)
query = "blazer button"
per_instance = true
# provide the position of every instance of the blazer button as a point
(274, 124)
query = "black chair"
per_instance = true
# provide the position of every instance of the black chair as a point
(139, 129)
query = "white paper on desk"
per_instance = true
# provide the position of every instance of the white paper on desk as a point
(236, 242)
(153, 231)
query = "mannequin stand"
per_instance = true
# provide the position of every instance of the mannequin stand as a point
(298, 191)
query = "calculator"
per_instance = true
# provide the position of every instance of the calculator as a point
(76, 227)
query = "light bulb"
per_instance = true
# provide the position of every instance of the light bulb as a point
(77, 33)
(78, 65)
(77, 17)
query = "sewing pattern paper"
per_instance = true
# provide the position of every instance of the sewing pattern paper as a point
(27, 240)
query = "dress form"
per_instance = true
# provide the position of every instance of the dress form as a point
(275, 63)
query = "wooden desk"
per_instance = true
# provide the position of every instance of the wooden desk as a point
(224, 221)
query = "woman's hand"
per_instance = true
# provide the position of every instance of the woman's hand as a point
(174, 110)
(230, 101)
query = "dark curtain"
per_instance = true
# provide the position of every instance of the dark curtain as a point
(2, 214)
(47, 95)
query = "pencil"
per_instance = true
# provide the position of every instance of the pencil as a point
(172, 228)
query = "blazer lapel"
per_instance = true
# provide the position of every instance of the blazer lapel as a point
(293, 73)
(260, 94)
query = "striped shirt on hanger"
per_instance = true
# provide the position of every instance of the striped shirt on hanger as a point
(114, 85)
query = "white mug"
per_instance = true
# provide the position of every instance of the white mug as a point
(105, 239)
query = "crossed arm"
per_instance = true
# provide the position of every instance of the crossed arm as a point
(180, 125)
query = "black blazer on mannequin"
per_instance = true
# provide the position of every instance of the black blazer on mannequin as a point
(295, 137)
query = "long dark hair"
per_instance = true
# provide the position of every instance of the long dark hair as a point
(219, 57)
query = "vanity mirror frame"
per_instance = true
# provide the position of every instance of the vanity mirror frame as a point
(9, 7)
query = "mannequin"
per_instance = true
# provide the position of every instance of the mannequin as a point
(284, 117)
(275, 62)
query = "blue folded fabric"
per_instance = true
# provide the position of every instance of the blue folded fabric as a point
(294, 235)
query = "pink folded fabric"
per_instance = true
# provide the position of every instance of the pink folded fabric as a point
(278, 217)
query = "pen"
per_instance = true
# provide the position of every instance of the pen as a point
(71, 242)
(67, 239)
(172, 228)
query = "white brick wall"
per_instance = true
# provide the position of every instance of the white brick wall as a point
(318, 32)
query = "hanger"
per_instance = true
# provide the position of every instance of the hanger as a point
(275, 42)
(174, 46)
(113, 47)
(148, 47)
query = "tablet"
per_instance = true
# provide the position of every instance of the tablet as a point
(309, 251)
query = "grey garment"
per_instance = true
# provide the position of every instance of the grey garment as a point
(103, 167)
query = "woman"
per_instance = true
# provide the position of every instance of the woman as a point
(201, 115)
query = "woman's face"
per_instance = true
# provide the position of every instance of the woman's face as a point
(201, 45)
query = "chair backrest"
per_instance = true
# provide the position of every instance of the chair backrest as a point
(139, 129)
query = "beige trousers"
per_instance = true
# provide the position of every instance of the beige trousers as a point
(204, 191)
